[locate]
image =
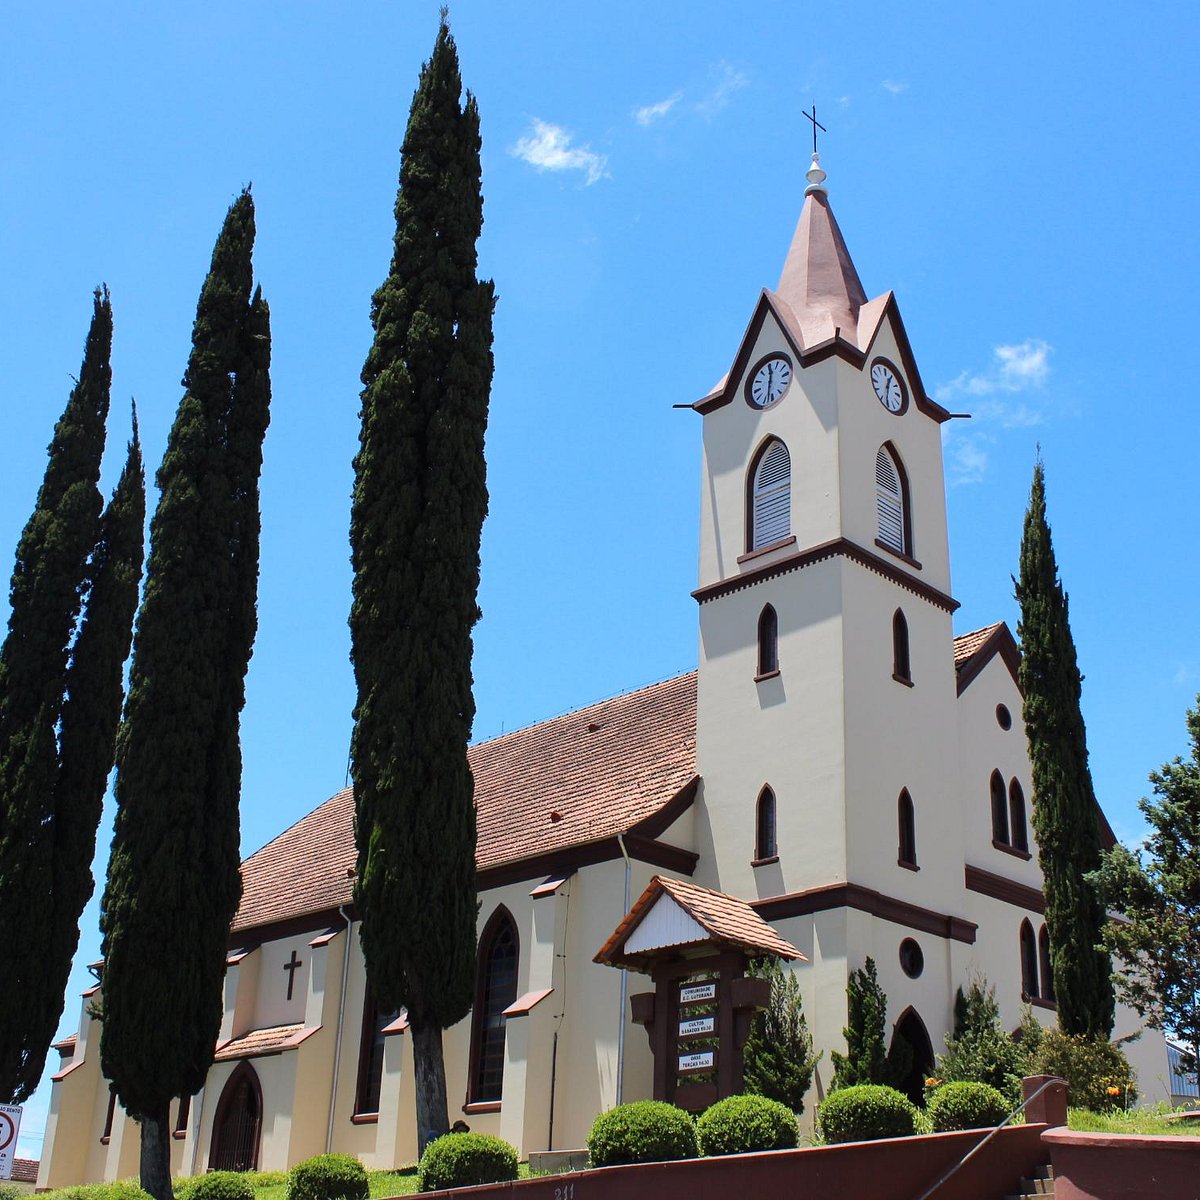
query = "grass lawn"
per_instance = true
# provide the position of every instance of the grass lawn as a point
(1148, 1122)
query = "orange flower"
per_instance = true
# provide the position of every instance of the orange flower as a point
(1113, 1090)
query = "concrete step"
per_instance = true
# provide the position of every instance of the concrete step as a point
(1041, 1184)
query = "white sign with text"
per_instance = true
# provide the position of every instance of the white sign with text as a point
(10, 1126)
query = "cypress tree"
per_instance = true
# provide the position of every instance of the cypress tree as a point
(173, 881)
(779, 1058)
(48, 581)
(420, 497)
(1064, 804)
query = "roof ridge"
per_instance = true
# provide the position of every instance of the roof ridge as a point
(645, 687)
(958, 637)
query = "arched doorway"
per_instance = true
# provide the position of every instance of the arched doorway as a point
(238, 1123)
(911, 1032)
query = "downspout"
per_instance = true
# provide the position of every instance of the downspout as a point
(337, 1037)
(624, 981)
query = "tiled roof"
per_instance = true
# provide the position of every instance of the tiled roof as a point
(966, 646)
(728, 921)
(25, 1170)
(574, 779)
(67, 1045)
(259, 1042)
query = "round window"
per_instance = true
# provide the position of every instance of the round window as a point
(912, 960)
(1003, 716)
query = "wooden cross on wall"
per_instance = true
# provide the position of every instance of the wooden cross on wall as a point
(291, 968)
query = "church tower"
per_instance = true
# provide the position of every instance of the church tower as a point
(826, 689)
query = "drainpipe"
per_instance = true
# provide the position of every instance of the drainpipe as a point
(624, 982)
(337, 1037)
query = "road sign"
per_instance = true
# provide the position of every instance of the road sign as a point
(10, 1125)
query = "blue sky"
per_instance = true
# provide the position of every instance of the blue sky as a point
(1024, 176)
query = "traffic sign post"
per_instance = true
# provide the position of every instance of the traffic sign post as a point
(10, 1126)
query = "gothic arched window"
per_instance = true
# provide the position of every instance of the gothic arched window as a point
(891, 501)
(1016, 817)
(1044, 963)
(907, 822)
(370, 1056)
(1029, 961)
(769, 499)
(999, 810)
(768, 642)
(765, 843)
(901, 663)
(495, 990)
(237, 1125)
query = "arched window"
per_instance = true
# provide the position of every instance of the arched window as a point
(891, 501)
(370, 1056)
(769, 503)
(907, 822)
(1044, 963)
(496, 989)
(901, 664)
(765, 844)
(911, 1029)
(999, 810)
(1029, 961)
(238, 1123)
(768, 642)
(1016, 817)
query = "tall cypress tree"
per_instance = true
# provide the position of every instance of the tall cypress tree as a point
(1064, 803)
(173, 882)
(420, 497)
(47, 586)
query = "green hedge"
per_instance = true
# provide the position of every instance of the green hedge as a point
(966, 1106)
(217, 1185)
(328, 1177)
(120, 1189)
(866, 1112)
(1098, 1074)
(742, 1124)
(463, 1159)
(644, 1131)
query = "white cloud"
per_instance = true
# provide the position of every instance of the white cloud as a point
(843, 101)
(967, 458)
(548, 147)
(1184, 675)
(655, 112)
(728, 79)
(895, 86)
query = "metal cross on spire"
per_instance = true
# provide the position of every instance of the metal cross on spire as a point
(812, 116)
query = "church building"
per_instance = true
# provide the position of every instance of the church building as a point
(839, 762)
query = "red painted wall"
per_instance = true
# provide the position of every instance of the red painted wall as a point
(1122, 1166)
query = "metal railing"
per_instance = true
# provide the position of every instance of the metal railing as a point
(991, 1133)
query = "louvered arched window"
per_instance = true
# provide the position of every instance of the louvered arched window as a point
(907, 821)
(901, 663)
(770, 496)
(1029, 961)
(891, 501)
(1044, 963)
(765, 844)
(495, 991)
(999, 810)
(1016, 817)
(768, 642)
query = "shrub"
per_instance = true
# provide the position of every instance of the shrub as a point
(328, 1177)
(219, 1185)
(966, 1106)
(865, 1112)
(462, 1159)
(644, 1131)
(779, 1058)
(1098, 1074)
(981, 1050)
(119, 1189)
(741, 1124)
(10, 1191)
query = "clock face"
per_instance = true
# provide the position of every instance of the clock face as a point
(769, 381)
(888, 386)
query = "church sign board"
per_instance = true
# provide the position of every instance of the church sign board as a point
(10, 1126)
(695, 944)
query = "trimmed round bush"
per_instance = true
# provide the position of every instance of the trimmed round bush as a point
(220, 1185)
(966, 1106)
(328, 1177)
(741, 1124)
(463, 1159)
(866, 1112)
(644, 1131)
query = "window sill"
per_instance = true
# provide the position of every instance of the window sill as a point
(908, 866)
(179, 1134)
(912, 562)
(750, 555)
(764, 862)
(767, 675)
(1040, 1002)
(364, 1119)
(105, 1140)
(904, 679)
(482, 1106)
(1023, 855)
